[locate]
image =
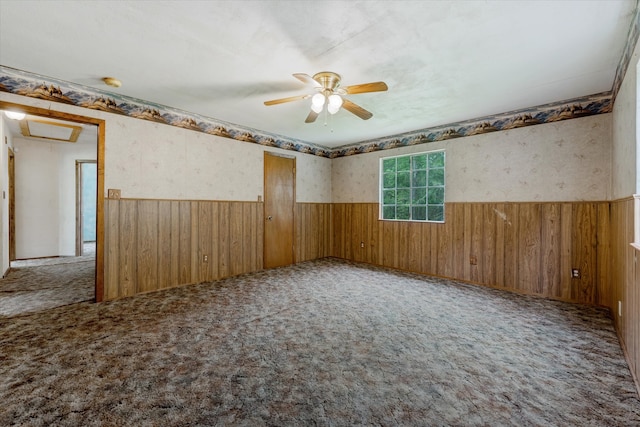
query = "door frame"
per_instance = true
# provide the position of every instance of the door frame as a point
(79, 216)
(12, 204)
(99, 261)
(293, 207)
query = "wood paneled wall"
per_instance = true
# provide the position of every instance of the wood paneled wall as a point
(625, 281)
(157, 244)
(525, 247)
(312, 231)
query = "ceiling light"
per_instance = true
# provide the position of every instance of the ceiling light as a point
(317, 102)
(112, 81)
(15, 115)
(335, 102)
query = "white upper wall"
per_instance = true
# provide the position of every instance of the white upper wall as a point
(37, 199)
(625, 181)
(4, 188)
(45, 185)
(561, 161)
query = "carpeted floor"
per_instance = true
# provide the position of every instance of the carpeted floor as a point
(39, 284)
(320, 343)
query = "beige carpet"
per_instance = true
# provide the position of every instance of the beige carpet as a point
(325, 343)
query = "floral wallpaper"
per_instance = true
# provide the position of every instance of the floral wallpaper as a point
(565, 161)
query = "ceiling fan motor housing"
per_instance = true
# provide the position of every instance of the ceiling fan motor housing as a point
(328, 80)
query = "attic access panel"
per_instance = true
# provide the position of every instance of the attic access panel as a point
(45, 129)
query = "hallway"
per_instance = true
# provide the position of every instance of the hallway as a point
(41, 284)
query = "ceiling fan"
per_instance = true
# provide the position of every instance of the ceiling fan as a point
(329, 93)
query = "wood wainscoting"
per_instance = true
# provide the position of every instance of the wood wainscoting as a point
(524, 247)
(157, 244)
(312, 231)
(625, 282)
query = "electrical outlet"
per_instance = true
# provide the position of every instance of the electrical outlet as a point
(113, 193)
(362, 244)
(205, 258)
(575, 273)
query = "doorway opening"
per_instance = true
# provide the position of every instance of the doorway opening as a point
(12, 205)
(86, 202)
(68, 240)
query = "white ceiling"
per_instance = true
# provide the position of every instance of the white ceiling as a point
(444, 61)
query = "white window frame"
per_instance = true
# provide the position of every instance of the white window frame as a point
(381, 187)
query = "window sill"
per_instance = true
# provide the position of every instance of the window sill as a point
(419, 221)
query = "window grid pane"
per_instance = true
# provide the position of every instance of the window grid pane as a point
(419, 213)
(403, 212)
(389, 165)
(389, 212)
(404, 163)
(389, 180)
(419, 196)
(404, 180)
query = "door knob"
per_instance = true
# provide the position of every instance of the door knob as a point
(269, 218)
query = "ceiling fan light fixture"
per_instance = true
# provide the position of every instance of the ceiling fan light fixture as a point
(329, 92)
(317, 102)
(335, 102)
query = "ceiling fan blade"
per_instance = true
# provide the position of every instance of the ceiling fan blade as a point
(307, 79)
(311, 117)
(356, 109)
(366, 87)
(289, 99)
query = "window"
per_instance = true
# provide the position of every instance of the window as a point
(412, 187)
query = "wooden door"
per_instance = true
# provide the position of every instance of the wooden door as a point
(279, 202)
(12, 206)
